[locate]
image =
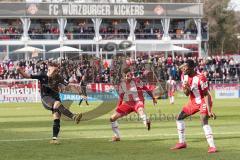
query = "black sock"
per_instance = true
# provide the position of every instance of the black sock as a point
(80, 102)
(87, 102)
(65, 111)
(56, 127)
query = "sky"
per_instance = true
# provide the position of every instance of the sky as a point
(235, 4)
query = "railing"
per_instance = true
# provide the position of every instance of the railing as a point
(107, 36)
(73, 36)
(187, 36)
(174, 36)
(44, 36)
(10, 36)
(148, 36)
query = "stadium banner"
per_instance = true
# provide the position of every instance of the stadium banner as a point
(227, 92)
(29, 91)
(19, 91)
(97, 92)
(102, 10)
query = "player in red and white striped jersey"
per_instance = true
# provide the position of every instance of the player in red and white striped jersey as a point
(196, 87)
(131, 99)
(171, 88)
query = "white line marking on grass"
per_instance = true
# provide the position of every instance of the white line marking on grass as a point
(126, 136)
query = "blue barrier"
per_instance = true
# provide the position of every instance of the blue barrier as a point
(98, 96)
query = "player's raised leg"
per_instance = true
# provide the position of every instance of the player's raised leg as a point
(76, 117)
(80, 102)
(143, 116)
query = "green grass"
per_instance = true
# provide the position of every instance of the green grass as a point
(25, 130)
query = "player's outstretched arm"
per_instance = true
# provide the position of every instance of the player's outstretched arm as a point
(149, 91)
(207, 101)
(24, 74)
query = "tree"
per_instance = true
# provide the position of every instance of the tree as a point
(222, 26)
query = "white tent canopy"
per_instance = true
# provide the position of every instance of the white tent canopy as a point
(160, 47)
(180, 49)
(65, 49)
(28, 49)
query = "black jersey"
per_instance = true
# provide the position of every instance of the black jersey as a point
(50, 85)
(83, 81)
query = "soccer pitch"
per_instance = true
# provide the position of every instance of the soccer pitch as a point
(26, 128)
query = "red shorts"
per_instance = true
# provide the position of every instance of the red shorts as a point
(128, 107)
(170, 94)
(192, 108)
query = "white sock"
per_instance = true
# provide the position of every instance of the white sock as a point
(115, 128)
(181, 131)
(144, 119)
(171, 100)
(209, 135)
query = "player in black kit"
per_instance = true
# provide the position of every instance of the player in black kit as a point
(51, 82)
(83, 86)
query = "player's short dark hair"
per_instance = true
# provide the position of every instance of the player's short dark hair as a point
(53, 64)
(190, 63)
(126, 70)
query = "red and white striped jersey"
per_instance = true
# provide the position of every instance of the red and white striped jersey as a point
(132, 91)
(198, 84)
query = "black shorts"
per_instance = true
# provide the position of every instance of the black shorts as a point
(48, 102)
(84, 90)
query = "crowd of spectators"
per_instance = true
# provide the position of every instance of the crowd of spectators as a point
(44, 33)
(71, 70)
(220, 69)
(10, 29)
(44, 29)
